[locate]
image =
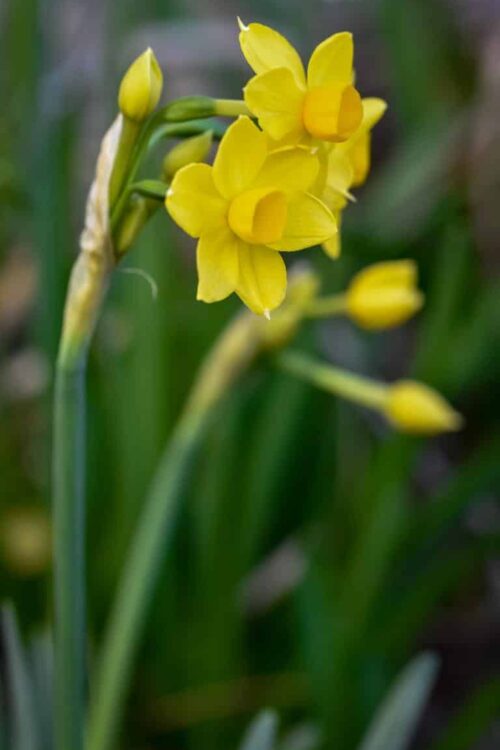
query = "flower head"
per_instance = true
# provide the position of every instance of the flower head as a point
(251, 204)
(141, 87)
(384, 295)
(419, 410)
(290, 104)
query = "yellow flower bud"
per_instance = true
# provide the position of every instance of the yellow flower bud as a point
(189, 151)
(384, 295)
(141, 87)
(419, 410)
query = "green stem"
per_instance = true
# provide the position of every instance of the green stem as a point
(128, 138)
(345, 384)
(231, 108)
(68, 514)
(327, 306)
(138, 581)
(86, 290)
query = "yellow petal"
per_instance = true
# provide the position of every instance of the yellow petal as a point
(240, 156)
(385, 307)
(333, 246)
(262, 278)
(332, 112)
(373, 111)
(339, 177)
(309, 222)
(391, 273)
(193, 201)
(331, 61)
(276, 100)
(289, 169)
(217, 263)
(419, 410)
(265, 49)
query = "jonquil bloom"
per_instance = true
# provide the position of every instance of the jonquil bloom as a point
(246, 208)
(290, 104)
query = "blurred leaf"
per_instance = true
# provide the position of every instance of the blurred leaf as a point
(395, 721)
(261, 734)
(302, 737)
(480, 710)
(23, 730)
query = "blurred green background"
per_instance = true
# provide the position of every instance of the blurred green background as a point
(316, 552)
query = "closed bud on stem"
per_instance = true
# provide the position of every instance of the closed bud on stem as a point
(140, 210)
(284, 323)
(195, 149)
(416, 409)
(141, 87)
(384, 295)
(189, 108)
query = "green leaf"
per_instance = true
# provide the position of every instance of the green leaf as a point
(155, 189)
(22, 724)
(261, 734)
(394, 723)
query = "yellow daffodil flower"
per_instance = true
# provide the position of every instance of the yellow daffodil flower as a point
(251, 204)
(384, 295)
(323, 105)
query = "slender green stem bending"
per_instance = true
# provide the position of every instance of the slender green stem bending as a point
(68, 514)
(138, 581)
(345, 384)
(325, 307)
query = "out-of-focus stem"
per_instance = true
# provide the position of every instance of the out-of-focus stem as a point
(345, 384)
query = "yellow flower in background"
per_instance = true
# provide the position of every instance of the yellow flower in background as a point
(416, 409)
(245, 209)
(292, 105)
(384, 295)
(141, 87)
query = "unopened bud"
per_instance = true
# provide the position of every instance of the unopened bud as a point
(186, 152)
(419, 410)
(141, 87)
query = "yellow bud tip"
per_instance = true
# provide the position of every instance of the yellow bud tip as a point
(416, 409)
(267, 314)
(242, 26)
(141, 87)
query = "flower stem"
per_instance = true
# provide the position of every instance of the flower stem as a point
(88, 283)
(69, 520)
(345, 384)
(231, 108)
(325, 307)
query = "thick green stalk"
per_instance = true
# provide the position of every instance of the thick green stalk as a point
(69, 565)
(88, 284)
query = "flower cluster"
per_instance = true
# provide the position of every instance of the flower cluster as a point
(280, 185)
(282, 175)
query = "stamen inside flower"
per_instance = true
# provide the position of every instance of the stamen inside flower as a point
(333, 112)
(258, 216)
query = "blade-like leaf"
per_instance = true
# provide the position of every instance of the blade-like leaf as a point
(394, 723)
(261, 734)
(22, 724)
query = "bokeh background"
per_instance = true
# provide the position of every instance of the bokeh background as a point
(316, 551)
